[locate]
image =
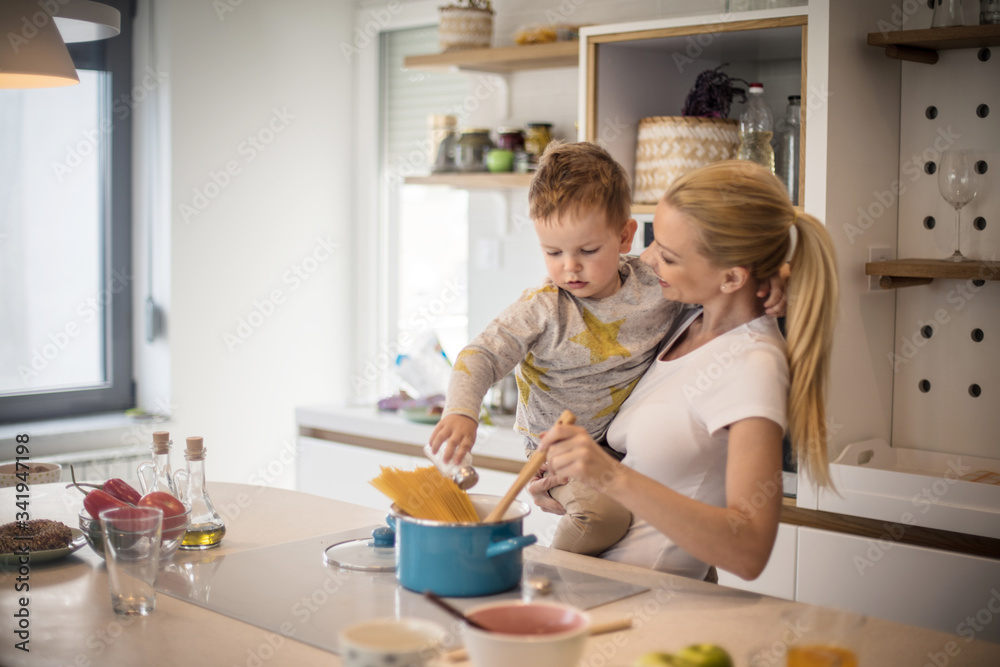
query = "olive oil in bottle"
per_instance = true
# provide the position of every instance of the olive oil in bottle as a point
(206, 528)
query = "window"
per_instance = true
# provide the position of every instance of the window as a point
(426, 252)
(65, 242)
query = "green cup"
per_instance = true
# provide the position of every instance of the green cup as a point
(499, 160)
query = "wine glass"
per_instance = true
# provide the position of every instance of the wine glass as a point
(958, 182)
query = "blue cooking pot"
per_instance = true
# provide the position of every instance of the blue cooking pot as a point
(461, 559)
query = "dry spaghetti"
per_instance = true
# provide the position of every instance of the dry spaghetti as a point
(424, 493)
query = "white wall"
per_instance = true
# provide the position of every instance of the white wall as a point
(254, 234)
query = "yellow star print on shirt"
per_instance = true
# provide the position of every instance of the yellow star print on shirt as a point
(532, 375)
(460, 364)
(531, 294)
(601, 338)
(618, 396)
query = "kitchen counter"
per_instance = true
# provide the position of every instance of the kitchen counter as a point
(71, 622)
(499, 448)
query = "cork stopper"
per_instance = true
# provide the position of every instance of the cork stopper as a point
(161, 442)
(195, 447)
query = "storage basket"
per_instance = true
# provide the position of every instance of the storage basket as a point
(670, 146)
(464, 28)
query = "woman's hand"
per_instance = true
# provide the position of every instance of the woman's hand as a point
(776, 304)
(573, 454)
(539, 487)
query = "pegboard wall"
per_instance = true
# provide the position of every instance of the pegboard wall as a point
(946, 386)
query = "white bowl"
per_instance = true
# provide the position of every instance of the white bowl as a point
(526, 633)
(38, 473)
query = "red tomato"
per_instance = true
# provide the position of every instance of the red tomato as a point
(172, 527)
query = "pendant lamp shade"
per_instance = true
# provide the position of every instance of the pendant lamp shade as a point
(86, 21)
(32, 52)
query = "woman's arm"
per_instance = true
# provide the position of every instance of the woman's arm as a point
(738, 538)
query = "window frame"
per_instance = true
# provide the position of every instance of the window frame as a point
(117, 393)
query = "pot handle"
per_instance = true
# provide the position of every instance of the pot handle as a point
(511, 544)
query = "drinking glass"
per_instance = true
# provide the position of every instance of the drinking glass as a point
(947, 13)
(958, 182)
(132, 555)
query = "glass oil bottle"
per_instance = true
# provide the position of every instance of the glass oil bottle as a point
(206, 528)
(159, 468)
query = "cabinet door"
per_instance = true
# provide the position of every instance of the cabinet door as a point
(339, 471)
(930, 588)
(778, 578)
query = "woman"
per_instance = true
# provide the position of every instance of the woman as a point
(705, 423)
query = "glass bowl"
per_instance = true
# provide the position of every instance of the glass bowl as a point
(174, 528)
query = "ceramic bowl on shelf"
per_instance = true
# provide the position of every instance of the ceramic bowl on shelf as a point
(174, 528)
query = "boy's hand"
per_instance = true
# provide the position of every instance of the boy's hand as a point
(457, 433)
(774, 289)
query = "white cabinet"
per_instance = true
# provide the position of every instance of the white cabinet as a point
(935, 589)
(778, 578)
(340, 471)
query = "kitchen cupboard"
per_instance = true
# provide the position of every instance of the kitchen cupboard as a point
(643, 69)
(931, 588)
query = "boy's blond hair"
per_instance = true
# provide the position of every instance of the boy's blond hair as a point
(579, 177)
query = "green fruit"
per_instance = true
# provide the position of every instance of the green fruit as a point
(655, 660)
(703, 655)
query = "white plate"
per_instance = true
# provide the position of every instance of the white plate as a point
(11, 560)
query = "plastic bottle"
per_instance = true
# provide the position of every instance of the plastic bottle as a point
(786, 147)
(756, 129)
(206, 528)
(159, 468)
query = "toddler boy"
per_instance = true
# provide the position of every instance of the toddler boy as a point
(580, 341)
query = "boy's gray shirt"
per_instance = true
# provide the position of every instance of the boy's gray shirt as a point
(570, 353)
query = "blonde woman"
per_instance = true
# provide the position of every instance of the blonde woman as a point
(701, 433)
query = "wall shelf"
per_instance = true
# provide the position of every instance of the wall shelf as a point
(500, 60)
(908, 272)
(923, 45)
(470, 181)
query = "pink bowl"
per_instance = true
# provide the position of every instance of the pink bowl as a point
(533, 633)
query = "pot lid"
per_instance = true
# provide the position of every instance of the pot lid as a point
(374, 554)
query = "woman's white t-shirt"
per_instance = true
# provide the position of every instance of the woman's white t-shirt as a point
(674, 425)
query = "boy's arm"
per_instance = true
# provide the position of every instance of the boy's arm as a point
(485, 361)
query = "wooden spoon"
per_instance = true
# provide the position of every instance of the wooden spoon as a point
(453, 611)
(527, 472)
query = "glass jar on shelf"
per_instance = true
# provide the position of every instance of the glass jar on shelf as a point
(510, 138)
(442, 135)
(471, 149)
(536, 139)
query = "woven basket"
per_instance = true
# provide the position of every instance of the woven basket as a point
(464, 28)
(670, 146)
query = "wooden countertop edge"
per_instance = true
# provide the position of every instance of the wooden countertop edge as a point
(875, 529)
(882, 532)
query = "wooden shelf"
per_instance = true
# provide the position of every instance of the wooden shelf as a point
(908, 272)
(502, 59)
(923, 45)
(470, 181)
(644, 208)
